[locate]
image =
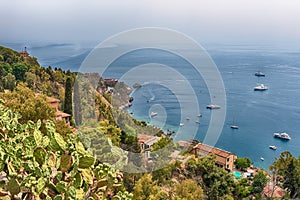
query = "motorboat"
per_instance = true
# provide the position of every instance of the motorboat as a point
(283, 136)
(260, 87)
(199, 115)
(153, 114)
(213, 106)
(273, 147)
(197, 122)
(181, 124)
(262, 159)
(259, 73)
(234, 127)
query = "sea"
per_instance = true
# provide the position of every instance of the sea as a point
(257, 113)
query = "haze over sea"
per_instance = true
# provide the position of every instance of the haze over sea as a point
(258, 114)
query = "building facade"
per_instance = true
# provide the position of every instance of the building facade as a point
(224, 159)
(146, 142)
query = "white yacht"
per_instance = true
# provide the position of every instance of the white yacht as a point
(259, 73)
(213, 106)
(273, 147)
(234, 127)
(283, 136)
(181, 124)
(260, 87)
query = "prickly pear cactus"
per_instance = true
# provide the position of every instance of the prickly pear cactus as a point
(34, 165)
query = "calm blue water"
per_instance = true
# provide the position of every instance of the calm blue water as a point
(258, 114)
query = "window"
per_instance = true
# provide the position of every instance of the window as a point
(227, 166)
(228, 159)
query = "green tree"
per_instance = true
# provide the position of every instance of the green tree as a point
(77, 104)
(31, 79)
(50, 72)
(5, 68)
(286, 169)
(163, 174)
(259, 182)
(145, 188)
(32, 61)
(242, 163)
(129, 139)
(187, 190)
(58, 76)
(111, 131)
(242, 189)
(9, 82)
(19, 70)
(10, 56)
(292, 178)
(31, 106)
(68, 97)
(163, 142)
(217, 182)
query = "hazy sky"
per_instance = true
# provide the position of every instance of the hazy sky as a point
(225, 21)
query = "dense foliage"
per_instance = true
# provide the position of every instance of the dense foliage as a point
(34, 107)
(286, 173)
(15, 68)
(11, 62)
(242, 163)
(30, 105)
(216, 181)
(147, 188)
(259, 182)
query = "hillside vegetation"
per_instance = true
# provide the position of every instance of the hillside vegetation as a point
(45, 158)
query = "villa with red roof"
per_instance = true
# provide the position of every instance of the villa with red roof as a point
(59, 114)
(224, 159)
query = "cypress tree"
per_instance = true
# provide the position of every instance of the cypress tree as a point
(68, 96)
(77, 104)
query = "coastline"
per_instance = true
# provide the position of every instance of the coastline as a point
(129, 110)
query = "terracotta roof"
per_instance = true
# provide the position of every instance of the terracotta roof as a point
(62, 114)
(52, 99)
(111, 79)
(143, 138)
(24, 53)
(208, 149)
(152, 140)
(278, 192)
(183, 143)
